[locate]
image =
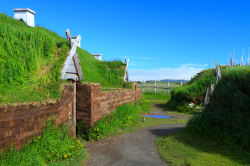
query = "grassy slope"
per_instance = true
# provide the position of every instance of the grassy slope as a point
(227, 117)
(193, 91)
(108, 74)
(221, 131)
(31, 60)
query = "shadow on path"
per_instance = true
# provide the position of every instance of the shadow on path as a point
(161, 106)
(159, 132)
(133, 149)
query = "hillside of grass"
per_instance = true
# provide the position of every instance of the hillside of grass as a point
(226, 118)
(108, 73)
(31, 60)
(193, 91)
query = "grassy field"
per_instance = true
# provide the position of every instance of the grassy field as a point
(183, 148)
(156, 98)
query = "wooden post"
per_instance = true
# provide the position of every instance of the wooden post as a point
(126, 79)
(69, 37)
(74, 108)
(155, 86)
(135, 93)
(168, 87)
(143, 86)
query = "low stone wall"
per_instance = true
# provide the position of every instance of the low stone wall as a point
(21, 123)
(93, 103)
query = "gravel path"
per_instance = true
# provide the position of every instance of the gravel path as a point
(131, 149)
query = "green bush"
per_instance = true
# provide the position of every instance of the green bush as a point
(123, 117)
(227, 116)
(192, 92)
(54, 145)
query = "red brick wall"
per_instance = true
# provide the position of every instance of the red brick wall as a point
(93, 104)
(21, 123)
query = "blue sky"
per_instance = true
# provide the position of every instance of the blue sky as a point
(163, 38)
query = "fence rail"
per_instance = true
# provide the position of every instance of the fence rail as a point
(158, 86)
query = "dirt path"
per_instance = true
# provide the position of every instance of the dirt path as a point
(131, 149)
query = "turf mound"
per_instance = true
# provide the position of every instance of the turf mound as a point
(108, 74)
(31, 60)
(227, 116)
(193, 91)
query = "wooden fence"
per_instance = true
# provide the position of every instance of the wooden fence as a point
(158, 86)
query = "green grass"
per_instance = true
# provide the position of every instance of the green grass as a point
(226, 118)
(108, 74)
(182, 148)
(218, 135)
(112, 126)
(129, 117)
(31, 60)
(193, 91)
(54, 147)
(156, 97)
(125, 116)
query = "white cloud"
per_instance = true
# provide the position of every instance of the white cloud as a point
(183, 72)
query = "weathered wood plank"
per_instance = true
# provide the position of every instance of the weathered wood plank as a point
(78, 66)
(70, 66)
(69, 36)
